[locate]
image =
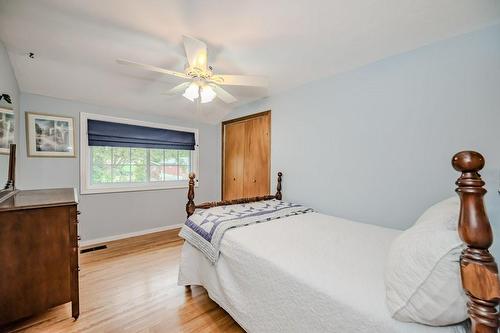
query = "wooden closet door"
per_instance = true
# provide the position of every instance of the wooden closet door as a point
(246, 157)
(233, 160)
(257, 151)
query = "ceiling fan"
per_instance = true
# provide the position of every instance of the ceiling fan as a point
(203, 84)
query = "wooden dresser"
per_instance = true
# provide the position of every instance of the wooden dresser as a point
(38, 253)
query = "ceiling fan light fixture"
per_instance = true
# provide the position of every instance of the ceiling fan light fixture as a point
(207, 94)
(192, 92)
(201, 85)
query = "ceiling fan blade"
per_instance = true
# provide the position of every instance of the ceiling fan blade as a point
(241, 80)
(196, 53)
(223, 95)
(179, 89)
(152, 68)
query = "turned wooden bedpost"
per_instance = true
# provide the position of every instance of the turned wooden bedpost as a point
(478, 268)
(278, 187)
(190, 207)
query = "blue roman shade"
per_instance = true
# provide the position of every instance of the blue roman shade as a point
(105, 133)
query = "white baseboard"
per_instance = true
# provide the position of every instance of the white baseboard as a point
(89, 242)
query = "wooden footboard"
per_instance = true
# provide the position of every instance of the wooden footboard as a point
(478, 268)
(191, 207)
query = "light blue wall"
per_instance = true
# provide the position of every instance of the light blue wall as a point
(113, 214)
(375, 144)
(8, 85)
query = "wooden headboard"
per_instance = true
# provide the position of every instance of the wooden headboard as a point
(191, 207)
(477, 266)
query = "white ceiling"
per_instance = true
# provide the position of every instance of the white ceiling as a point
(76, 43)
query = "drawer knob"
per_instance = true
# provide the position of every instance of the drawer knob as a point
(78, 212)
(78, 237)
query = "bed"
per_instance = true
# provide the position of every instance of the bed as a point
(332, 278)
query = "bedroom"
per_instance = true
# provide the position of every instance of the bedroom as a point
(369, 101)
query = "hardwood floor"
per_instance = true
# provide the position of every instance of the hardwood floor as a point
(132, 287)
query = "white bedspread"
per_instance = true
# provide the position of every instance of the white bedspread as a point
(320, 274)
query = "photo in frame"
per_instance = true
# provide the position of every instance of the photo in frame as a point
(7, 129)
(50, 135)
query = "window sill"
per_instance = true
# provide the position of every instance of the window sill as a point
(118, 189)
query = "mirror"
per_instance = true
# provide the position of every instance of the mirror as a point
(9, 188)
(7, 134)
(4, 169)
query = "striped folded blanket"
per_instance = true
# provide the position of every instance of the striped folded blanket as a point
(206, 227)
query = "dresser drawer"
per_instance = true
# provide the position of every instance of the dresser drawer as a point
(35, 262)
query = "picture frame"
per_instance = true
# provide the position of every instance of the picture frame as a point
(7, 129)
(50, 135)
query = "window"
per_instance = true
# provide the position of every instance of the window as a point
(109, 165)
(138, 165)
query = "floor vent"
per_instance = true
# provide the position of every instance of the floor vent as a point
(95, 248)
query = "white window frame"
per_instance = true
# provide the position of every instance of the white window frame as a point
(86, 186)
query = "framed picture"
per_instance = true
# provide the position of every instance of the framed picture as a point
(7, 127)
(50, 136)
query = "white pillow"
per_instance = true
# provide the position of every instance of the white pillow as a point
(445, 211)
(422, 275)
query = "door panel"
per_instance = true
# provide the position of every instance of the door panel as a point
(233, 160)
(256, 170)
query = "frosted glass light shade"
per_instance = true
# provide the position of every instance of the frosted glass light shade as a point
(192, 92)
(207, 94)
